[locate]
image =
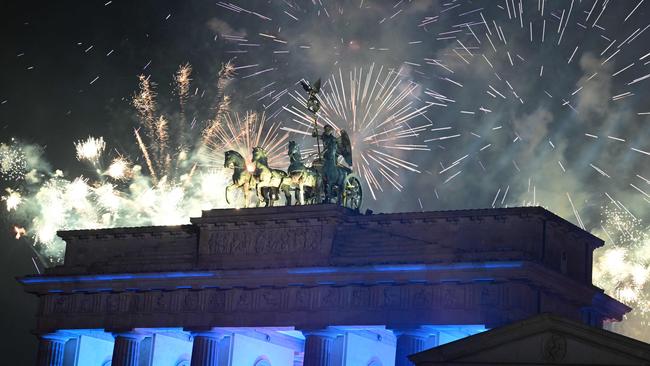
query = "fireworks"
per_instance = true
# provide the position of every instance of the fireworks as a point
(243, 133)
(13, 164)
(178, 182)
(119, 169)
(479, 103)
(381, 111)
(60, 203)
(182, 79)
(12, 199)
(623, 266)
(90, 149)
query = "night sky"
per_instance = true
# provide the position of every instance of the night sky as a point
(546, 108)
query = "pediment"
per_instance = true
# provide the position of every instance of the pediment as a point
(542, 340)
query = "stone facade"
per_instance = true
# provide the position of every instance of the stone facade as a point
(542, 340)
(322, 268)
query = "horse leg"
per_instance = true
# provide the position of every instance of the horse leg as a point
(227, 190)
(301, 192)
(287, 194)
(260, 196)
(246, 194)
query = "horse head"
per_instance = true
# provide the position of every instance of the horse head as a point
(294, 149)
(259, 154)
(233, 159)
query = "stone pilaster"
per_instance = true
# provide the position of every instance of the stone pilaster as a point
(205, 348)
(318, 348)
(126, 351)
(408, 343)
(50, 350)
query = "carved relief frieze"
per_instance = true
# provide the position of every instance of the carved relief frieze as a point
(488, 295)
(300, 298)
(421, 297)
(381, 297)
(158, 301)
(240, 300)
(451, 296)
(215, 301)
(269, 299)
(329, 298)
(390, 297)
(359, 297)
(190, 301)
(265, 240)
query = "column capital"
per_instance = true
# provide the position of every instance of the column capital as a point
(51, 348)
(131, 334)
(58, 336)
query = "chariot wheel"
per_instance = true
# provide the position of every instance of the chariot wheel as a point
(352, 193)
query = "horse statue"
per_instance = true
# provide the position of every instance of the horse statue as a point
(269, 180)
(241, 177)
(334, 174)
(305, 180)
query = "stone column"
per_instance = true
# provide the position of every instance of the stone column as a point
(126, 351)
(408, 343)
(50, 350)
(318, 348)
(205, 348)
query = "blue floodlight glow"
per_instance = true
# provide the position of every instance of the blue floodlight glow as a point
(307, 270)
(114, 277)
(407, 267)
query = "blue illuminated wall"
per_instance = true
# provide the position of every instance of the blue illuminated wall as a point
(248, 351)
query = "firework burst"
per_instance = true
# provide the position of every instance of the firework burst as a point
(13, 165)
(383, 114)
(12, 199)
(118, 169)
(622, 267)
(244, 132)
(90, 149)
(177, 182)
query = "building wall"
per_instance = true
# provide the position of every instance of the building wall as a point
(247, 351)
(169, 351)
(93, 351)
(361, 351)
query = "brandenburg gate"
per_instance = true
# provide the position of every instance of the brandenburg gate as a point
(315, 285)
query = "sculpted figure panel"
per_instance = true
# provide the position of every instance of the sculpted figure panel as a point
(451, 297)
(360, 297)
(191, 301)
(215, 301)
(300, 298)
(422, 297)
(265, 241)
(270, 299)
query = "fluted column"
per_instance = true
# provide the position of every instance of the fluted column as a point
(126, 351)
(408, 343)
(205, 348)
(318, 348)
(50, 350)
